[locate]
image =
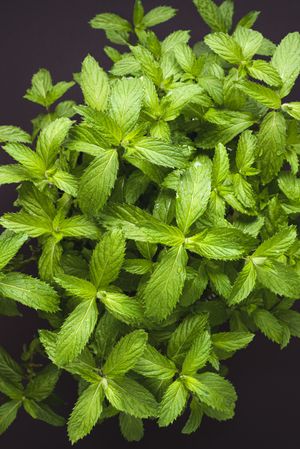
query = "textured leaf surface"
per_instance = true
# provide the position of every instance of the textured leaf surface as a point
(76, 331)
(107, 258)
(97, 182)
(142, 403)
(166, 283)
(220, 243)
(172, 404)
(86, 412)
(125, 354)
(29, 291)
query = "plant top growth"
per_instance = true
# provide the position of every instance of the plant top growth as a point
(161, 218)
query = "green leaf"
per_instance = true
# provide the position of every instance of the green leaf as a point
(154, 365)
(227, 9)
(137, 266)
(174, 39)
(65, 182)
(225, 46)
(138, 12)
(198, 355)
(42, 385)
(94, 84)
(125, 103)
(231, 341)
(225, 126)
(36, 203)
(63, 109)
(97, 182)
(246, 150)
(165, 286)
(293, 109)
(74, 264)
(184, 335)
(79, 226)
(211, 14)
(292, 319)
(213, 390)
(43, 412)
(27, 158)
(132, 428)
(10, 244)
(42, 90)
(86, 412)
(76, 331)
(271, 143)
(268, 324)
(110, 22)
(279, 278)
(29, 291)
(278, 244)
(262, 94)
(142, 403)
(252, 227)
(10, 389)
(158, 152)
(218, 278)
(125, 308)
(193, 193)
(249, 40)
(244, 284)
(141, 226)
(195, 284)
(220, 168)
(243, 191)
(147, 63)
(107, 258)
(180, 97)
(158, 15)
(13, 134)
(195, 418)
(220, 243)
(84, 366)
(106, 334)
(51, 138)
(125, 354)
(289, 185)
(267, 48)
(13, 174)
(286, 60)
(41, 86)
(172, 404)
(186, 58)
(8, 413)
(153, 172)
(264, 71)
(77, 287)
(9, 369)
(136, 185)
(249, 19)
(21, 222)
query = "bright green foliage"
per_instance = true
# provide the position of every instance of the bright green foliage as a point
(86, 412)
(125, 354)
(161, 216)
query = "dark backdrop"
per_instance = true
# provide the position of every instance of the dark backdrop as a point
(54, 34)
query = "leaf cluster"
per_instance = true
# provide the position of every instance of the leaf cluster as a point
(162, 218)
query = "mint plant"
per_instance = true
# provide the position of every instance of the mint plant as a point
(161, 215)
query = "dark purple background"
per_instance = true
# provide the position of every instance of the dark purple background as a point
(55, 35)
